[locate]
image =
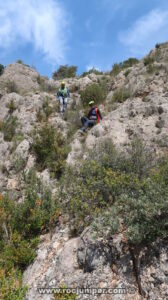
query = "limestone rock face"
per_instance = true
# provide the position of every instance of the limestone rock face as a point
(86, 262)
(154, 275)
(83, 261)
(23, 149)
(23, 76)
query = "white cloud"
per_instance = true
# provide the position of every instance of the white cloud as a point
(146, 32)
(41, 23)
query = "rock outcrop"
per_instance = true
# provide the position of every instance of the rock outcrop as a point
(23, 77)
(83, 261)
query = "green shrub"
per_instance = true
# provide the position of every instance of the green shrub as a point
(17, 139)
(30, 217)
(44, 113)
(1, 125)
(1, 69)
(18, 253)
(40, 80)
(50, 149)
(129, 62)
(144, 217)
(65, 71)
(148, 60)
(151, 68)
(11, 87)
(93, 92)
(11, 106)
(25, 221)
(94, 186)
(20, 225)
(33, 216)
(93, 189)
(96, 183)
(64, 295)
(141, 210)
(127, 73)
(121, 95)
(74, 120)
(40, 115)
(49, 88)
(19, 61)
(162, 141)
(19, 164)
(105, 84)
(136, 159)
(11, 285)
(140, 159)
(47, 108)
(117, 68)
(92, 71)
(157, 46)
(9, 128)
(45, 86)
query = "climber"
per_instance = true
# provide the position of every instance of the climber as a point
(93, 117)
(63, 95)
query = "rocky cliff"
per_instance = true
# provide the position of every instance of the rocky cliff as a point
(82, 261)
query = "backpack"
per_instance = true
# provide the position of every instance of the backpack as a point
(98, 116)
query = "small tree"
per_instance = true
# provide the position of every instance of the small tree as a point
(129, 62)
(117, 68)
(1, 69)
(65, 71)
(19, 61)
(92, 71)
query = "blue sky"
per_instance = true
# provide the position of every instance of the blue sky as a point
(85, 33)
